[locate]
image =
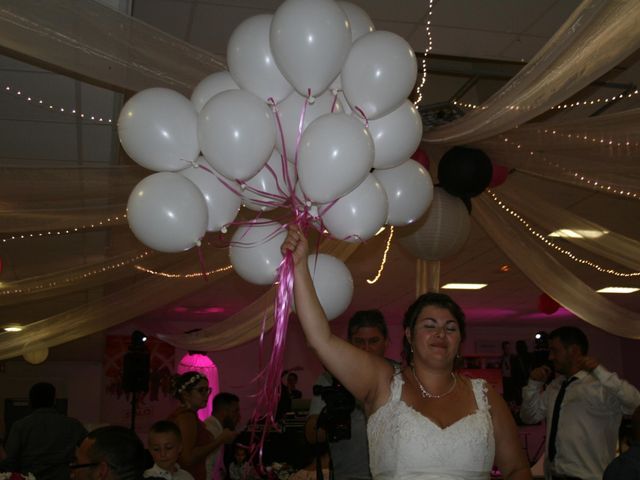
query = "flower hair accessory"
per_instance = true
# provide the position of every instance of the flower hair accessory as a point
(193, 380)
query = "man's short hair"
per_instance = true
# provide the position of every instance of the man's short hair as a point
(121, 449)
(42, 395)
(166, 426)
(223, 400)
(571, 336)
(367, 318)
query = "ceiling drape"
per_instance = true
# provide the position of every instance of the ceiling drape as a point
(595, 38)
(91, 41)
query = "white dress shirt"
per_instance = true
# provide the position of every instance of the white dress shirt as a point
(589, 420)
(215, 427)
(157, 472)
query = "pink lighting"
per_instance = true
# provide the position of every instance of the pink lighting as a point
(197, 362)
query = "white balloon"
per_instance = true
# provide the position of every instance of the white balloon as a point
(273, 188)
(442, 231)
(396, 135)
(236, 134)
(379, 73)
(358, 215)
(158, 129)
(310, 40)
(290, 111)
(409, 191)
(223, 204)
(359, 21)
(167, 212)
(336, 154)
(255, 250)
(210, 86)
(333, 283)
(251, 62)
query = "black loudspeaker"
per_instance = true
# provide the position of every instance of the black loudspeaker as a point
(135, 371)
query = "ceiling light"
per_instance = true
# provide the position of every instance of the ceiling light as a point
(13, 328)
(464, 286)
(578, 233)
(618, 290)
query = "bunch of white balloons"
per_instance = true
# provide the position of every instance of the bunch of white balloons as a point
(312, 115)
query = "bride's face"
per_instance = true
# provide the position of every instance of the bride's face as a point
(435, 337)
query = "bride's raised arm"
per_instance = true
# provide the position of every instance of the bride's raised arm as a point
(362, 373)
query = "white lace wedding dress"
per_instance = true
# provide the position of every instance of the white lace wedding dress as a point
(406, 445)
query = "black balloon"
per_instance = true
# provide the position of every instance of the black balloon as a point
(464, 172)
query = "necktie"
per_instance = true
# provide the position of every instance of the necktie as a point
(556, 415)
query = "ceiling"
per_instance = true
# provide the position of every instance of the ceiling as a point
(477, 48)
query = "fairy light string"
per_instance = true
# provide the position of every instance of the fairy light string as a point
(577, 176)
(17, 92)
(109, 221)
(506, 208)
(9, 290)
(564, 106)
(427, 50)
(384, 259)
(150, 271)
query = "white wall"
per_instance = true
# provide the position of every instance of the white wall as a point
(79, 382)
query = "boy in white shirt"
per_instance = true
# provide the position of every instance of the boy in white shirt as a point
(165, 445)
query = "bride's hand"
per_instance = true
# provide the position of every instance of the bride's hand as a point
(297, 244)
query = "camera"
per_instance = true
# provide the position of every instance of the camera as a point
(335, 418)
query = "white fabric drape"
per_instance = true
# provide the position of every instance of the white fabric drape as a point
(598, 153)
(551, 276)
(93, 41)
(596, 37)
(613, 246)
(247, 323)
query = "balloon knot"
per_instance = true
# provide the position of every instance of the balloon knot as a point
(311, 99)
(224, 229)
(198, 243)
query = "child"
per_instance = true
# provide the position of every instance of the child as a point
(241, 468)
(165, 445)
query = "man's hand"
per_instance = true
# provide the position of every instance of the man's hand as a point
(588, 363)
(540, 374)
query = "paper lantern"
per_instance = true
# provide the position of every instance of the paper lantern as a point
(421, 157)
(442, 231)
(499, 175)
(464, 172)
(547, 305)
(36, 357)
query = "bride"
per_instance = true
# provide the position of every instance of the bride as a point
(424, 420)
